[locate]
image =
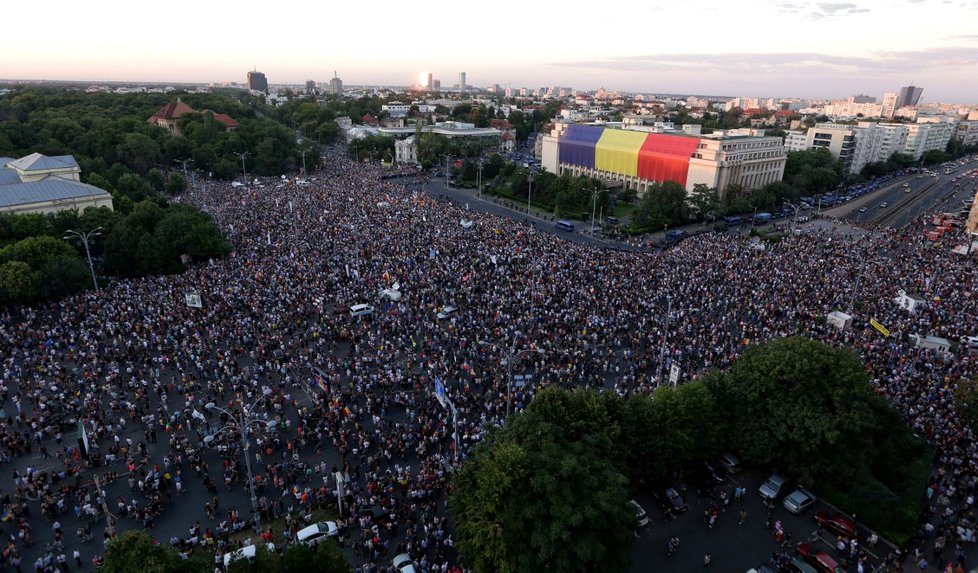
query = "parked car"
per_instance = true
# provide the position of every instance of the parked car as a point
(837, 524)
(773, 486)
(670, 499)
(640, 515)
(884, 205)
(730, 462)
(447, 312)
(403, 563)
(705, 475)
(361, 310)
(797, 565)
(246, 552)
(822, 561)
(799, 501)
(316, 532)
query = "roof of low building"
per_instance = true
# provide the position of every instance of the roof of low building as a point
(47, 189)
(37, 162)
(176, 109)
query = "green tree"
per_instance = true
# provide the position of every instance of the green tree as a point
(18, 283)
(802, 404)
(325, 558)
(137, 552)
(37, 251)
(134, 187)
(704, 199)
(30, 225)
(549, 465)
(63, 276)
(176, 184)
(139, 152)
(664, 204)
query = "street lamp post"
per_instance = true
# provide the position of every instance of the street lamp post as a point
(240, 424)
(244, 171)
(304, 163)
(83, 239)
(529, 192)
(594, 203)
(481, 161)
(448, 173)
(184, 163)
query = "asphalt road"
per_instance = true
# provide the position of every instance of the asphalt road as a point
(732, 546)
(926, 195)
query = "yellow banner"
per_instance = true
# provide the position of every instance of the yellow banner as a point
(879, 327)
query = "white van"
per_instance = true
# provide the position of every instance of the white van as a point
(246, 552)
(361, 310)
(317, 532)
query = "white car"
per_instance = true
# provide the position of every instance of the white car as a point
(640, 515)
(246, 552)
(317, 532)
(447, 312)
(361, 310)
(403, 564)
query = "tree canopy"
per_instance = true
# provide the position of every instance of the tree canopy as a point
(543, 495)
(137, 552)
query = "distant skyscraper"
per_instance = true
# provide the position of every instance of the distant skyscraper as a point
(909, 95)
(336, 85)
(889, 105)
(436, 85)
(461, 81)
(310, 86)
(257, 82)
(430, 81)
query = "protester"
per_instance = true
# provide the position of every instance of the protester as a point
(138, 366)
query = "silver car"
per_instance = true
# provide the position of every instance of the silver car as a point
(772, 487)
(799, 501)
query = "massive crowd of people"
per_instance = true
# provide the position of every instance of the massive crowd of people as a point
(139, 366)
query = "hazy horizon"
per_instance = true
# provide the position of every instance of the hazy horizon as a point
(769, 49)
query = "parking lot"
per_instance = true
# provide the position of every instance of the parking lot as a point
(734, 547)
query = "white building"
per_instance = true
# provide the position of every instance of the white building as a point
(637, 159)
(855, 146)
(889, 105)
(928, 136)
(396, 109)
(795, 141)
(967, 132)
(40, 184)
(405, 151)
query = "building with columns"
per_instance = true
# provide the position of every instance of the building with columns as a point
(637, 158)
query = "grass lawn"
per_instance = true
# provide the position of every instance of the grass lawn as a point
(278, 525)
(623, 209)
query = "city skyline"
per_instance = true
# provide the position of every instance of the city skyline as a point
(776, 49)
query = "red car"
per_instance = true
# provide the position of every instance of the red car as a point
(837, 524)
(818, 559)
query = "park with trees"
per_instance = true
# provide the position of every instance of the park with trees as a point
(565, 467)
(143, 167)
(137, 552)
